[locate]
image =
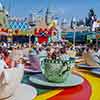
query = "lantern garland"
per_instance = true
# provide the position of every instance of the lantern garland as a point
(10, 32)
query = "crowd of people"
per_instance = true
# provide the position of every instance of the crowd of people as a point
(12, 54)
(16, 54)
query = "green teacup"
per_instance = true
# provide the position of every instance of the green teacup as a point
(56, 70)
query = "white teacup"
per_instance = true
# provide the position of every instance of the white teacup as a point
(9, 86)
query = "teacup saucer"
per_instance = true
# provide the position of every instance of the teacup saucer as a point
(85, 66)
(96, 71)
(32, 70)
(74, 80)
(24, 92)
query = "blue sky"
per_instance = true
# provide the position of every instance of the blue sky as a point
(66, 8)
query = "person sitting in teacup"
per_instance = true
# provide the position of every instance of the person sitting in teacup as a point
(8, 60)
(34, 61)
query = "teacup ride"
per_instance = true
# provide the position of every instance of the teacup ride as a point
(72, 53)
(33, 63)
(57, 73)
(56, 70)
(89, 62)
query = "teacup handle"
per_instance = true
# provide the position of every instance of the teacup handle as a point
(64, 69)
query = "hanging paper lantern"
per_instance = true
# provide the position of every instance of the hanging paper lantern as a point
(6, 30)
(17, 32)
(10, 30)
(50, 31)
(46, 31)
(36, 39)
(49, 39)
(36, 32)
(2, 30)
(40, 30)
(10, 34)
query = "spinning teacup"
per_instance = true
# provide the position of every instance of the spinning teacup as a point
(8, 87)
(57, 70)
